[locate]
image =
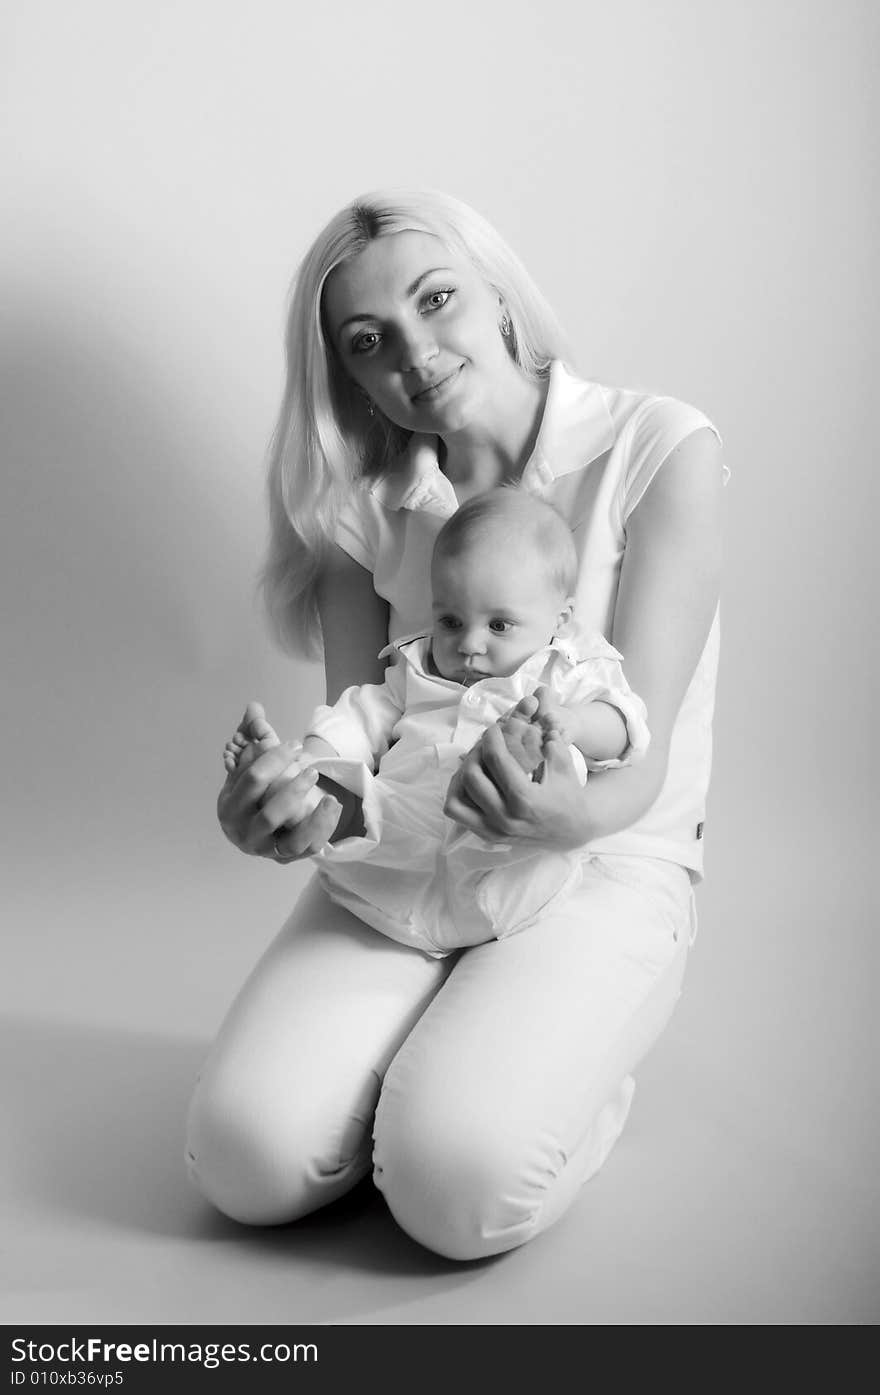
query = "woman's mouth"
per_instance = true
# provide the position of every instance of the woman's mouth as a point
(438, 388)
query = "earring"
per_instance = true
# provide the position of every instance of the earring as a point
(368, 402)
(506, 325)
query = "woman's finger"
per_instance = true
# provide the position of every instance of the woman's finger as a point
(291, 772)
(526, 708)
(480, 791)
(474, 800)
(309, 836)
(459, 808)
(248, 787)
(557, 759)
(239, 802)
(290, 803)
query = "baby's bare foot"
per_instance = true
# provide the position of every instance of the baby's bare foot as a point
(252, 737)
(524, 741)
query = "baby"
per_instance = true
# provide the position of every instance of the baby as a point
(502, 575)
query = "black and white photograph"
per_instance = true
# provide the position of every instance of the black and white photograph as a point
(438, 665)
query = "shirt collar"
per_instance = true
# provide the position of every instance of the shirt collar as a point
(575, 430)
(415, 649)
(415, 480)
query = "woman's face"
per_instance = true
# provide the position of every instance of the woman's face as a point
(418, 329)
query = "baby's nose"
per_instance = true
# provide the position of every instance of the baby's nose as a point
(471, 641)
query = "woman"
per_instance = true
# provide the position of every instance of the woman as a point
(423, 368)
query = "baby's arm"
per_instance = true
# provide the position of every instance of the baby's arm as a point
(595, 711)
(593, 708)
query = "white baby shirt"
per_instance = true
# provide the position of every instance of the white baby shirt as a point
(407, 721)
(415, 875)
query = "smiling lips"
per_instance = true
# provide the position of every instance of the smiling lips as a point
(434, 389)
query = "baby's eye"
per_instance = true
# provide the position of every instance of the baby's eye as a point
(365, 342)
(447, 622)
(435, 300)
(500, 627)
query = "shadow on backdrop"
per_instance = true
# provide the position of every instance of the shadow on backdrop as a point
(99, 1127)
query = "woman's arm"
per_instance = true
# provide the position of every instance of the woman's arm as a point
(666, 601)
(262, 799)
(667, 596)
(354, 623)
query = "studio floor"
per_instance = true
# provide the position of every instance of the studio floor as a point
(744, 1189)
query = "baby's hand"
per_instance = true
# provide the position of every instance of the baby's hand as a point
(251, 738)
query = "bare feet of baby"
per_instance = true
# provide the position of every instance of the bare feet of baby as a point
(252, 737)
(524, 739)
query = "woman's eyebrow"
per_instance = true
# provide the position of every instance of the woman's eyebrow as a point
(410, 291)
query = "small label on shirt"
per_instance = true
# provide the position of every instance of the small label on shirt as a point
(699, 830)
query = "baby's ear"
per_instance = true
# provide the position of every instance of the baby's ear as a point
(565, 619)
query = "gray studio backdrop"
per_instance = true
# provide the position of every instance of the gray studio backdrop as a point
(692, 186)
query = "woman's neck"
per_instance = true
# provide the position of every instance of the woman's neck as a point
(485, 454)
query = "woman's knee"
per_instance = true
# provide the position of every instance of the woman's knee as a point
(462, 1184)
(262, 1162)
(467, 1180)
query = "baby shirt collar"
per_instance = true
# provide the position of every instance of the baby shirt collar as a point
(414, 649)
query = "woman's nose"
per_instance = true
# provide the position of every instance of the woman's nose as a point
(417, 347)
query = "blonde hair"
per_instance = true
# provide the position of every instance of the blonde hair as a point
(523, 520)
(325, 440)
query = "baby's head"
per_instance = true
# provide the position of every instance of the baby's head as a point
(502, 576)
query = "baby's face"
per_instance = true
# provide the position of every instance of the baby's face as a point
(492, 611)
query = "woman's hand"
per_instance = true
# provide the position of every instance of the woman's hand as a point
(492, 795)
(263, 807)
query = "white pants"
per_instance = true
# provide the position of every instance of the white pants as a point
(487, 1086)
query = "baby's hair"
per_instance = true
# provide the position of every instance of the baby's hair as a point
(519, 519)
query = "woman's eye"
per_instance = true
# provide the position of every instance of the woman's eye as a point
(365, 342)
(435, 300)
(499, 627)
